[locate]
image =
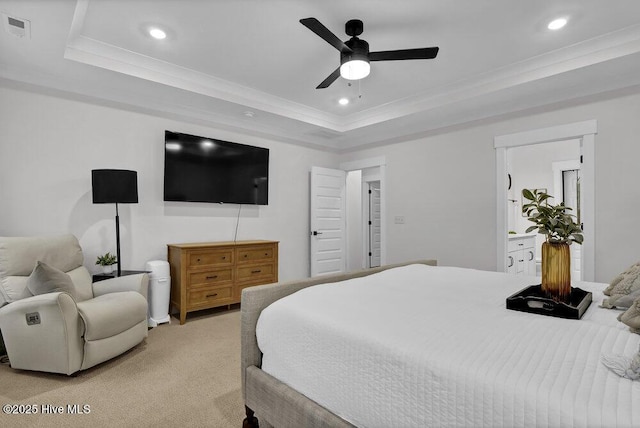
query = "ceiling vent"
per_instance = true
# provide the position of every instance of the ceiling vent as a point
(17, 27)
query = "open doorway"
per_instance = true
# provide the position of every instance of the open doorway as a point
(366, 213)
(553, 167)
(364, 219)
(585, 133)
(339, 217)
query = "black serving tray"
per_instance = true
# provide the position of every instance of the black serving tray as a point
(532, 299)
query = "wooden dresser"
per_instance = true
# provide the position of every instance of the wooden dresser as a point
(209, 274)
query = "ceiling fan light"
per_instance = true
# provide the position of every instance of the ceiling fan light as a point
(355, 69)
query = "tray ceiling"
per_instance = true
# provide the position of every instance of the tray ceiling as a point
(250, 66)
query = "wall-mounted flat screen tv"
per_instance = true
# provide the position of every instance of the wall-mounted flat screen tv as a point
(199, 169)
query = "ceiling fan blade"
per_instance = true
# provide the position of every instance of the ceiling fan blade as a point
(329, 80)
(420, 53)
(322, 31)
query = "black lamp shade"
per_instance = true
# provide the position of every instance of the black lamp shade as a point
(114, 186)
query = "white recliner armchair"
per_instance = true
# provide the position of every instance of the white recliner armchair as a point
(71, 330)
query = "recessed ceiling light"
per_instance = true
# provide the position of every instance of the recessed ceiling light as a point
(249, 114)
(557, 24)
(157, 33)
(343, 101)
(207, 144)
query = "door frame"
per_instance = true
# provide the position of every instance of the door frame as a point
(381, 163)
(584, 131)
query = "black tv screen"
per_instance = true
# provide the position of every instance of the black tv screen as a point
(198, 169)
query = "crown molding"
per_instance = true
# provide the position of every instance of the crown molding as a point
(589, 52)
(583, 54)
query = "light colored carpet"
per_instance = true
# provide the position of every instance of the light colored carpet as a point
(180, 376)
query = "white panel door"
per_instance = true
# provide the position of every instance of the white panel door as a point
(328, 221)
(374, 224)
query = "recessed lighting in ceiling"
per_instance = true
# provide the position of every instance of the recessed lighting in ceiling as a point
(249, 114)
(157, 33)
(557, 24)
(343, 101)
(207, 144)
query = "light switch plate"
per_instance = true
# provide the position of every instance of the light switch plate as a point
(399, 219)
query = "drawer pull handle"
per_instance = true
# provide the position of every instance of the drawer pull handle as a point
(224, 257)
(212, 295)
(212, 277)
(198, 260)
(256, 271)
(520, 245)
(266, 254)
(245, 256)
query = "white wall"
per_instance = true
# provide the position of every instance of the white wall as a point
(445, 187)
(49, 145)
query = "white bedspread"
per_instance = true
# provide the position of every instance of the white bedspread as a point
(422, 346)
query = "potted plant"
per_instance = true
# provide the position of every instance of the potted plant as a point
(560, 230)
(107, 261)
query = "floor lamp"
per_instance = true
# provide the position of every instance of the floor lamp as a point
(119, 186)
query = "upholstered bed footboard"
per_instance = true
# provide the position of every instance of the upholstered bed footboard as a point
(273, 401)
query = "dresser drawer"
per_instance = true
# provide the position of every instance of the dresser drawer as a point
(210, 257)
(209, 297)
(255, 273)
(255, 254)
(210, 277)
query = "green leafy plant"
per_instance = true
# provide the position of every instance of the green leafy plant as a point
(106, 260)
(553, 221)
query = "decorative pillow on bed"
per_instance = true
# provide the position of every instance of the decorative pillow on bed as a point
(623, 366)
(631, 317)
(46, 279)
(623, 281)
(621, 301)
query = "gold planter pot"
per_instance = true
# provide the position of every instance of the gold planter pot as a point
(556, 271)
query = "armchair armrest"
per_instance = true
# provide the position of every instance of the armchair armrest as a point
(52, 341)
(138, 283)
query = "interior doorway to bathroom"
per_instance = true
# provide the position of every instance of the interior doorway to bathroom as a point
(553, 167)
(585, 132)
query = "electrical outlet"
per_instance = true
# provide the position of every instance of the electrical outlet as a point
(399, 219)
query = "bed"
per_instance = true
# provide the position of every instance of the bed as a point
(420, 345)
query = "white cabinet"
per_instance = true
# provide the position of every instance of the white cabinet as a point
(521, 255)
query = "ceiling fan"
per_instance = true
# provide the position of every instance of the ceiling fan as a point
(354, 53)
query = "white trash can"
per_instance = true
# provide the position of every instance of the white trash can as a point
(159, 292)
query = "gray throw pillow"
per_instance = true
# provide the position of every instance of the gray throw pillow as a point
(46, 279)
(631, 317)
(621, 301)
(623, 280)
